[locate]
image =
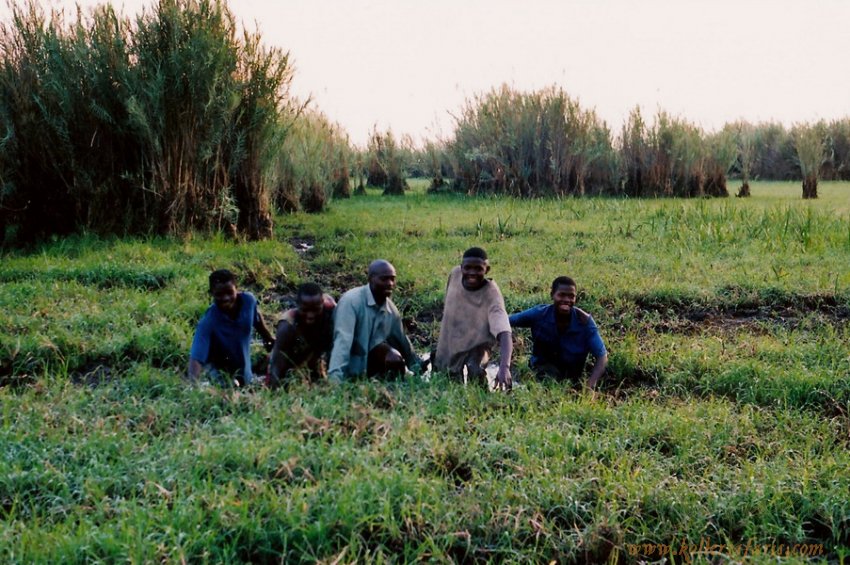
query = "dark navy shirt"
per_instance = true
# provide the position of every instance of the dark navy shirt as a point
(566, 349)
(226, 342)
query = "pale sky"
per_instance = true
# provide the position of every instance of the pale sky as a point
(409, 64)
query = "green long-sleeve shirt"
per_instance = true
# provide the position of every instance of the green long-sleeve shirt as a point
(359, 325)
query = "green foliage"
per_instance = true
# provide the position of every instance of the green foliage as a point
(810, 145)
(161, 125)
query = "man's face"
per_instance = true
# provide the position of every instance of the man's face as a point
(310, 309)
(472, 270)
(224, 296)
(564, 298)
(382, 282)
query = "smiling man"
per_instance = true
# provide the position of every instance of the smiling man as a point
(474, 319)
(562, 336)
(368, 334)
(222, 342)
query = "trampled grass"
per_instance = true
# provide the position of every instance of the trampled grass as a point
(724, 416)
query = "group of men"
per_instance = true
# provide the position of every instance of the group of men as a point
(363, 334)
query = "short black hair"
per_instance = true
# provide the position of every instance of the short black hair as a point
(475, 252)
(221, 276)
(565, 281)
(308, 289)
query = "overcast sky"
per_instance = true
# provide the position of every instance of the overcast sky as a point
(409, 64)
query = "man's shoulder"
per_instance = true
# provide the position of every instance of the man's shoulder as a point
(491, 287)
(289, 317)
(208, 317)
(583, 317)
(538, 312)
(392, 308)
(352, 294)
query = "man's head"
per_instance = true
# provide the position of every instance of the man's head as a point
(473, 267)
(381, 280)
(564, 293)
(310, 302)
(223, 289)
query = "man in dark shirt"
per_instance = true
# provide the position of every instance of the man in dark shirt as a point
(562, 336)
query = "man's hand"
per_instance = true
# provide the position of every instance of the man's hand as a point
(504, 381)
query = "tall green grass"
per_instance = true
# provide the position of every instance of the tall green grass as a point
(724, 415)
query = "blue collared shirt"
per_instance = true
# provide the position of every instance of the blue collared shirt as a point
(225, 342)
(565, 349)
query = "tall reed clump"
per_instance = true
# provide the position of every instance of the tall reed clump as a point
(744, 134)
(312, 165)
(775, 156)
(385, 163)
(672, 157)
(811, 148)
(531, 144)
(437, 165)
(161, 124)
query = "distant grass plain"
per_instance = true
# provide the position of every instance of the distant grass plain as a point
(724, 416)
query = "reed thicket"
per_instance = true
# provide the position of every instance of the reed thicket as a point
(160, 124)
(545, 143)
(312, 165)
(672, 157)
(388, 162)
(530, 144)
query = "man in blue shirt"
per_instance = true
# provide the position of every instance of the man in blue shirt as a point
(562, 336)
(222, 341)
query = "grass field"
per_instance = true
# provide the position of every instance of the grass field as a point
(723, 419)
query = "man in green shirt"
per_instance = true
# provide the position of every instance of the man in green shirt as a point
(368, 335)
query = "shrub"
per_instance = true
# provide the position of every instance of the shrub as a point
(385, 165)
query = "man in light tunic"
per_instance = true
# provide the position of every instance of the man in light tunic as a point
(474, 320)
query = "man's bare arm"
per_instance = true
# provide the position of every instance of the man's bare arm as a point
(598, 371)
(194, 371)
(504, 381)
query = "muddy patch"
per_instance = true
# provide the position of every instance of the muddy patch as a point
(303, 245)
(422, 327)
(680, 316)
(93, 375)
